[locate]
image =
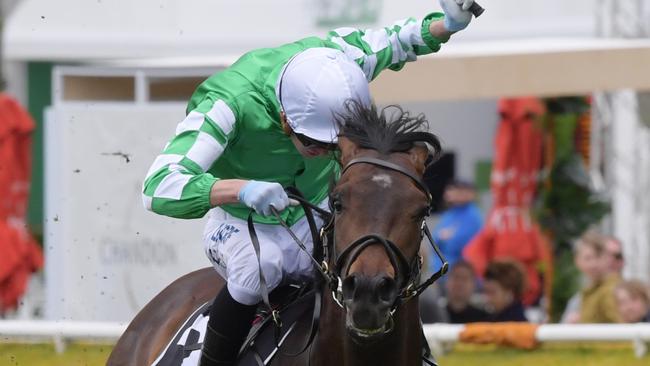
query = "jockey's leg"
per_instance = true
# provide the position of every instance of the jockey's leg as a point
(228, 326)
(228, 245)
(231, 252)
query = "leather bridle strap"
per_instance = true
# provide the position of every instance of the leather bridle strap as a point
(264, 290)
(350, 254)
(391, 166)
(434, 277)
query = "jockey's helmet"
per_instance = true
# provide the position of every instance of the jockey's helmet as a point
(313, 88)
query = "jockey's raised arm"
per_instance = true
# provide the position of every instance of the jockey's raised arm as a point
(376, 50)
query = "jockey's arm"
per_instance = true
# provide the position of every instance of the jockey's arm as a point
(226, 191)
(375, 50)
(258, 195)
(438, 30)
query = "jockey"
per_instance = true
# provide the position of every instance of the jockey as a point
(263, 124)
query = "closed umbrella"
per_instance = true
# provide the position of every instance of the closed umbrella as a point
(510, 231)
(21, 255)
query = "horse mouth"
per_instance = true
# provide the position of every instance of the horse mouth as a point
(367, 333)
(364, 334)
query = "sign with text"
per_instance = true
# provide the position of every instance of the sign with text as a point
(106, 256)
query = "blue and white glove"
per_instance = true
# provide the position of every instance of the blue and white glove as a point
(260, 196)
(457, 14)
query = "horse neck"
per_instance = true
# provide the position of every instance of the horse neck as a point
(403, 346)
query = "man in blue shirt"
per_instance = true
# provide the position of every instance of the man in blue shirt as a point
(458, 224)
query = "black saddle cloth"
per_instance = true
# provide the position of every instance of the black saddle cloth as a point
(295, 304)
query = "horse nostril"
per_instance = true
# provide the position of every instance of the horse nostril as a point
(387, 289)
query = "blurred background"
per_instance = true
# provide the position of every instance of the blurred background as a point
(543, 107)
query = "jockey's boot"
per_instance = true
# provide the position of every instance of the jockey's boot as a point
(227, 329)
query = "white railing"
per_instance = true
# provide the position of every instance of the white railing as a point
(439, 335)
(64, 329)
(59, 332)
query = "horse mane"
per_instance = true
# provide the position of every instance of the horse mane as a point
(388, 130)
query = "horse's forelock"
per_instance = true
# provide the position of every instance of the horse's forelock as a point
(388, 130)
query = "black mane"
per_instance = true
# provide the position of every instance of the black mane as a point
(387, 131)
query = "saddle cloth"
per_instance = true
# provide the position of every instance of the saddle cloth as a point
(185, 347)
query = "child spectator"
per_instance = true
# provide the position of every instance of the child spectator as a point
(614, 262)
(504, 287)
(597, 295)
(633, 301)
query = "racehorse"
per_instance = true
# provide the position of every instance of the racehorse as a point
(370, 272)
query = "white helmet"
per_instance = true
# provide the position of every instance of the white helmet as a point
(313, 88)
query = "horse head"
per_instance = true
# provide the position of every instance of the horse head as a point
(379, 205)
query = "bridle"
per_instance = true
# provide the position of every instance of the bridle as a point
(407, 274)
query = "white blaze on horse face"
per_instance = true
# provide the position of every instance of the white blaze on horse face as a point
(384, 180)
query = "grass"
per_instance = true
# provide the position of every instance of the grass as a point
(615, 354)
(45, 355)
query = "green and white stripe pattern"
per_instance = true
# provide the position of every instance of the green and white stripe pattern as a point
(232, 129)
(387, 48)
(179, 173)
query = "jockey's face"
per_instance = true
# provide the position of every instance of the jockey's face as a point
(308, 151)
(306, 147)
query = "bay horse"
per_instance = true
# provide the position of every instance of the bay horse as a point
(371, 263)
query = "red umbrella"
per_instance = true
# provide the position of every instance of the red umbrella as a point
(21, 255)
(510, 231)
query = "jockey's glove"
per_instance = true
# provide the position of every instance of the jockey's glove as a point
(457, 14)
(261, 196)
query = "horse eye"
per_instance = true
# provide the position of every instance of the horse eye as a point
(424, 212)
(337, 206)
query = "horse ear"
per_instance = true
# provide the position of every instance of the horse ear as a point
(348, 150)
(418, 155)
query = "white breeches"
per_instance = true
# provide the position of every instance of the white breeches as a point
(228, 246)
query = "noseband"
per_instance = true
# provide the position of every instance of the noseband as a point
(407, 274)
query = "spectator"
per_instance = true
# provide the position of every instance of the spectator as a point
(432, 309)
(460, 285)
(504, 288)
(633, 301)
(614, 265)
(597, 295)
(458, 224)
